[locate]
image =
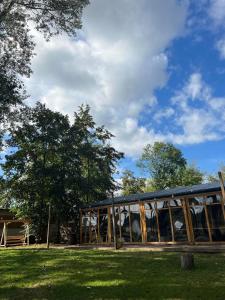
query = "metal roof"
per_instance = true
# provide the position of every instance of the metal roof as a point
(174, 192)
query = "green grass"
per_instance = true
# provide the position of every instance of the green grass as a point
(96, 274)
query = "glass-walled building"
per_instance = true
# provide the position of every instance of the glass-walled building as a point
(193, 214)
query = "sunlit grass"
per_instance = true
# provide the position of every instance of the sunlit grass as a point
(94, 274)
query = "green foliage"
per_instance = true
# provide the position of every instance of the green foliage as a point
(214, 177)
(17, 45)
(131, 184)
(57, 162)
(166, 167)
(191, 175)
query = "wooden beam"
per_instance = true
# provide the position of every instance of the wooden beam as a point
(143, 223)
(171, 224)
(185, 212)
(208, 224)
(49, 221)
(130, 224)
(109, 226)
(157, 221)
(5, 234)
(81, 226)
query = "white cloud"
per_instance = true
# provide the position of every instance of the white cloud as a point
(220, 45)
(217, 11)
(199, 115)
(115, 65)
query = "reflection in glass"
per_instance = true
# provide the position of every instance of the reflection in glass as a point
(135, 223)
(103, 227)
(199, 223)
(125, 224)
(85, 227)
(180, 232)
(216, 220)
(94, 227)
(151, 225)
(117, 222)
(164, 225)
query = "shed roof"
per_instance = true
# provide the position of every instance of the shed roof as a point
(174, 192)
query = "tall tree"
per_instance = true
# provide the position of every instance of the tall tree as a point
(17, 45)
(57, 162)
(167, 167)
(132, 184)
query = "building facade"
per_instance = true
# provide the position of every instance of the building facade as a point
(188, 215)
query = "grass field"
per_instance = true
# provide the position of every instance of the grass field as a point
(96, 274)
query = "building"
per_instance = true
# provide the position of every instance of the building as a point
(13, 231)
(188, 215)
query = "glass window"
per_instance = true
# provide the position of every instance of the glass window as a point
(85, 227)
(151, 225)
(175, 203)
(213, 199)
(150, 205)
(162, 204)
(94, 227)
(125, 223)
(216, 220)
(164, 225)
(180, 232)
(103, 227)
(117, 221)
(199, 223)
(196, 201)
(135, 223)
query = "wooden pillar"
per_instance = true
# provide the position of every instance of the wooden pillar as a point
(207, 221)
(114, 224)
(171, 224)
(223, 192)
(90, 229)
(143, 223)
(5, 234)
(157, 221)
(187, 223)
(81, 226)
(130, 224)
(99, 238)
(49, 220)
(190, 225)
(28, 234)
(109, 226)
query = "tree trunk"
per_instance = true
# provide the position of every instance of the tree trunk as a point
(187, 261)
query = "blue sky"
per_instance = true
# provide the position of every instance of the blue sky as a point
(151, 70)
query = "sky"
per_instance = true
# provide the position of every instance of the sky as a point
(151, 70)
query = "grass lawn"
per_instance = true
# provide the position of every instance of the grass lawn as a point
(98, 274)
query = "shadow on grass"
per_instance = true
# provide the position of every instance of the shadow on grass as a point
(68, 274)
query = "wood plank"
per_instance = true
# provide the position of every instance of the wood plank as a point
(185, 212)
(157, 221)
(208, 224)
(171, 224)
(130, 224)
(109, 226)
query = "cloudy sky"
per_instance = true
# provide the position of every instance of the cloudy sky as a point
(151, 70)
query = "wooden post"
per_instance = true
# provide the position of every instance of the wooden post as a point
(187, 261)
(49, 220)
(222, 185)
(114, 224)
(81, 226)
(109, 226)
(28, 234)
(5, 234)
(223, 192)
(143, 223)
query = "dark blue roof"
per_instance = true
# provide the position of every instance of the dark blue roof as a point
(174, 192)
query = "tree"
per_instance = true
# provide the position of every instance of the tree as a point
(57, 163)
(16, 43)
(191, 175)
(214, 177)
(167, 167)
(131, 184)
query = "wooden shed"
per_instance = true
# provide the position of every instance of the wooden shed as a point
(13, 231)
(187, 215)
